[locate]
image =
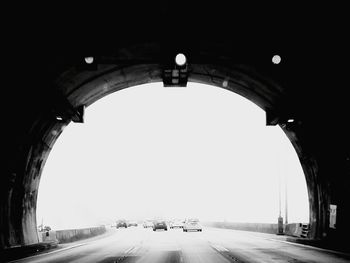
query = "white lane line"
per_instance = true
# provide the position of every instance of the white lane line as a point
(128, 251)
(48, 253)
(310, 246)
(219, 247)
(61, 249)
(252, 234)
(132, 250)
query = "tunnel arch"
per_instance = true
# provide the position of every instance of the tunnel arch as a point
(44, 58)
(80, 86)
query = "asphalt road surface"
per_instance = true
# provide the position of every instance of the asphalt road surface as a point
(136, 244)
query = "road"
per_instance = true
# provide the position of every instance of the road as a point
(137, 244)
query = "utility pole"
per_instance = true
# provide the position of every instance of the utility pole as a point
(280, 229)
(286, 198)
(279, 196)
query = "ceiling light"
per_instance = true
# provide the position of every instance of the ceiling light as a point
(89, 60)
(276, 59)
(180, 59)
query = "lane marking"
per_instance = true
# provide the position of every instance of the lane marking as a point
(128, 251)
(219, 247)
(93, 239)
(309, 246)
(252, 234)
(48, 253)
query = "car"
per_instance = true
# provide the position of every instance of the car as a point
(147, 224)
(132, 223)
(121, 223)
(161, 224)
(192, 224)
(176, 224)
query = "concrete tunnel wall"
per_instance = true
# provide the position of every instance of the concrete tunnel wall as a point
(18, 202)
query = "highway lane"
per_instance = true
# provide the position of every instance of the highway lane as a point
(212, 245)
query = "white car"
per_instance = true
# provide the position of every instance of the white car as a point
(147, 224)
(192, 224)
(176, 224)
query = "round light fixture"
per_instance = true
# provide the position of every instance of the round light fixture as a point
(180, 59)
(89, 60)
(276, 59)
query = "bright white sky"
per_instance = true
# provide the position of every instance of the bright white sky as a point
(150, 151)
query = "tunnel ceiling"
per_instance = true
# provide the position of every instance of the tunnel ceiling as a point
(45, 73)
(45, 47)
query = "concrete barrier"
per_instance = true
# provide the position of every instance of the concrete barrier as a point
(71, 235)
(294, 229)
(297, 230)
(255, 227)
(48, 236)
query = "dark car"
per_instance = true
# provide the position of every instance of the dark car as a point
(132, 223)
(160, 225)
(121, 223)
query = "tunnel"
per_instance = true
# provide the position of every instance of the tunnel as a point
(52, 83)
